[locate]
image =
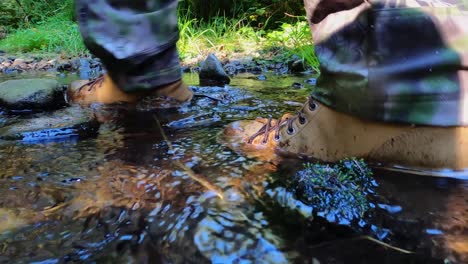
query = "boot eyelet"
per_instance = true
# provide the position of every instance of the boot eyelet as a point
(312, 106)
(302, 120)
(277, 138)
(291, 131)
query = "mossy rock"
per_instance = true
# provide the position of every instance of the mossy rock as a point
(72, 122)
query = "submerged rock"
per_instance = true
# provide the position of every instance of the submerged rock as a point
(72, 122)
(31, 94)
(212, 72)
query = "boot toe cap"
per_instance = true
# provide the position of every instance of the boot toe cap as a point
(241, 131)
(73, 91)
(237, 134)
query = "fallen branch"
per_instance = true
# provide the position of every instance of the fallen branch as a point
(194, 176)
(365, 238)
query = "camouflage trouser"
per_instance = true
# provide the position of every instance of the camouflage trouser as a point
(135, 39)
(387, 60)
(393, 60)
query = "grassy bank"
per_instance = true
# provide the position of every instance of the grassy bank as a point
(54, 35)
(228, 37)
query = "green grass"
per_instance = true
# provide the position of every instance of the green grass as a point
(222, 36)
(234, 37)
(56, 35)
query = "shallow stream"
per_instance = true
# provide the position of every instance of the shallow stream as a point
(119, 196)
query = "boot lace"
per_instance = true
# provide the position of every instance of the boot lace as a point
(93, 84)
(288, 122)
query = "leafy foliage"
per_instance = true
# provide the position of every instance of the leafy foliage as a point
(24, 13)
(294, 39)
(258, 13)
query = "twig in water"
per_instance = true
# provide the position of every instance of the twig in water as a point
(365, 238)
(196, 177)
(209, 97)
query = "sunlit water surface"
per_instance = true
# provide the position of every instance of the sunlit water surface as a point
(121, 197)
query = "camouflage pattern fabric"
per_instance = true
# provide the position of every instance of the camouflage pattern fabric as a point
(403, 61)
(388, 60)
(136, 40)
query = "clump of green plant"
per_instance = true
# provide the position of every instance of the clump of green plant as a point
(236, 35)
(219, 34)
(294, 39)
(337, 192)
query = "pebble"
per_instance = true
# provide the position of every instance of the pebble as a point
(297, 85)
(262, 77)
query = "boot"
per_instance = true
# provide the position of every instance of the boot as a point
(103, 90)
(318, 132)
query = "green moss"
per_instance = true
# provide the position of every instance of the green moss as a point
(337, 191)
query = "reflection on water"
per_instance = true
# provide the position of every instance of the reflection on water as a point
(120, 197)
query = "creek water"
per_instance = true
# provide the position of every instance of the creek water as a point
(119, 196)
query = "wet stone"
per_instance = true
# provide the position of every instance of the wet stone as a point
(312, 81)
(256, 70)
(212, 72)
(10, 71)
(297, 85)
(18, 62)
(66, 66)
(297, 66)
(31, 94)
(72, 122)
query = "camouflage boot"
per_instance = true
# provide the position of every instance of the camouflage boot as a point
(318, 132)
(104, 90)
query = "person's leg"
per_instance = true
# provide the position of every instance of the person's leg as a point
(384, 68)
(402, 61)
(136, 41)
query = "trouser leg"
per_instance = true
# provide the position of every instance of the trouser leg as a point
(393, 61)
(136, 40)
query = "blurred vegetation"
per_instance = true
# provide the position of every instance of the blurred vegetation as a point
(259, 13)
(275, 28)
(54, 35)
(16, 14)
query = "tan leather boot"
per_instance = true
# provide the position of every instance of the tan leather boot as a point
(321, 133)
(104, 90)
